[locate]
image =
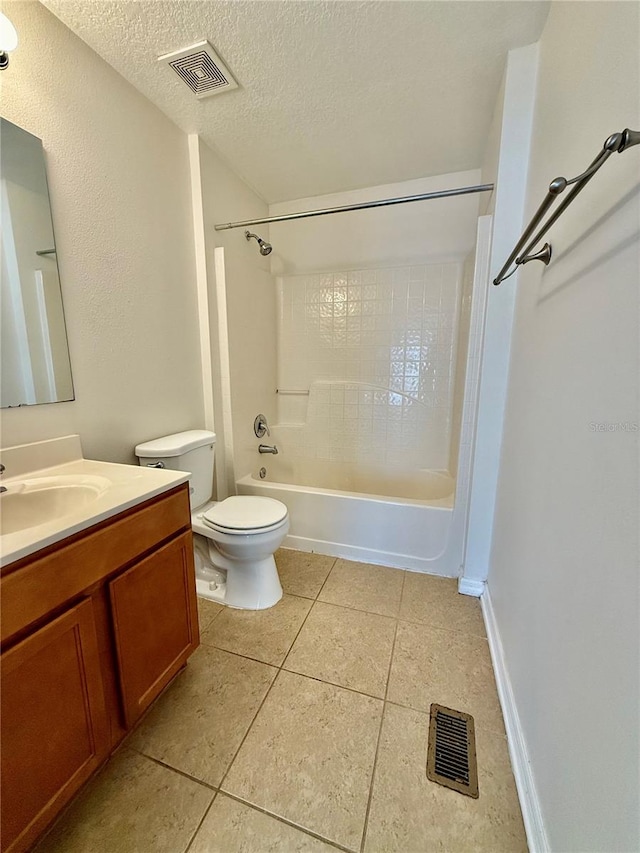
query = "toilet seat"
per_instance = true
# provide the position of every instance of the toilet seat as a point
(246, 514)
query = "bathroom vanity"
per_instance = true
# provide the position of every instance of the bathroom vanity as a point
(94, 626)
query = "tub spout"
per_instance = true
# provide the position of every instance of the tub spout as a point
(268, 448)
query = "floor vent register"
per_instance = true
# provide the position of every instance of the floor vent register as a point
(451, 757)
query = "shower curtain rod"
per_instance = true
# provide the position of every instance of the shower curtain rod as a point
(385, 202)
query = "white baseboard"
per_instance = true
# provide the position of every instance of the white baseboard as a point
(527, 794)
(469, 586)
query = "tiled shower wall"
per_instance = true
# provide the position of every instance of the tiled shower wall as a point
(382, 343)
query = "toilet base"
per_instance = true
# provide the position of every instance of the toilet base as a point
(242, 584)
(204, 590)
(219, 594)
(253, 586)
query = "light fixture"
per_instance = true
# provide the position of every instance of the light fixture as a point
(8, 40)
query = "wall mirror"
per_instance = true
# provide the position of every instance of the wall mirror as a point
(35, 366)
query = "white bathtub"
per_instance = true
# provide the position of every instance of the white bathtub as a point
(404, 532)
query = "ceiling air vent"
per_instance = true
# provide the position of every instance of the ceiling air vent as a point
(201, 69)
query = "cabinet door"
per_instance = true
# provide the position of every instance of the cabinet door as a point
(155, 622)
(54, 723)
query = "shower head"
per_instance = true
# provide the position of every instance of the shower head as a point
(265, 248)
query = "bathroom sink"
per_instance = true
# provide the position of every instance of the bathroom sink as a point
(32, 502)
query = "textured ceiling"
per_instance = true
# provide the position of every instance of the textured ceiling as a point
(333, 95)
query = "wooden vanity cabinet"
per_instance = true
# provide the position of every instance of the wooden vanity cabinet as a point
(54, 721)
(154, 621)
(92, 631)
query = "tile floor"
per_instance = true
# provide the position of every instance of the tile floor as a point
(304, 728)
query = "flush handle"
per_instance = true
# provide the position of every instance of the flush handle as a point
(156, 465)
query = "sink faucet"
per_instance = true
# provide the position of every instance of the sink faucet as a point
(267, 448)
(2, 488)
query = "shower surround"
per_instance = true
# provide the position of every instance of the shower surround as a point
(366, 368)
(361, 474)
(370, 370)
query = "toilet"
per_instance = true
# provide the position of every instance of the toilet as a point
(234, 539)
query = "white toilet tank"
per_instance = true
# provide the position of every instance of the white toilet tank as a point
(191, 451)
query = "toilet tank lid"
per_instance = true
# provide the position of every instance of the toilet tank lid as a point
(176, 444)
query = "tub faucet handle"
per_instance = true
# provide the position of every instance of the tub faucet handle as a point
(268, 448)
(261, 427)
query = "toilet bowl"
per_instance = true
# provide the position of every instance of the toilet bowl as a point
(234, 539)
(242, 536)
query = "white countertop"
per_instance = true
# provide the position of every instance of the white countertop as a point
(127, 486)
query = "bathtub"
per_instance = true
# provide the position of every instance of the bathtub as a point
(409, 529)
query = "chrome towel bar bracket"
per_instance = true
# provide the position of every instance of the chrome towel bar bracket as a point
(523, 250)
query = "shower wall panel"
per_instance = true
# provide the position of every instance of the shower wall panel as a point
(376, 348)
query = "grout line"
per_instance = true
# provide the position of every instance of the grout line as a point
(240, 655)
(178, 771)
(365, 825)
(334, 684)
(287, 822)
(436, 604)
(251, 724)
(218, 790)
(249, 727)
(446, 630)
(479, 728)
(282, 667)
(333, 565)
(221, 608)
(375, 758)
(355, 609)
(361, 609)
(393, 647)
(297, 595)
(255, 716)
(202, 820)
(277, 666)
(284, 659)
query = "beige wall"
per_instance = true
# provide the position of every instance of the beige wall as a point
(434, 231)
(250, 315)
(119, 181)
(564, 563)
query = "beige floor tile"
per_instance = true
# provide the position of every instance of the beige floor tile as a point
(133, 805)
(436, 601)
(199, 722)
(309, 757)
(364, 586)
(346, 647)
(447, 667)
(265, 635)
(410, 813)
(232, 827)
(207, 612)
(302, 573)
